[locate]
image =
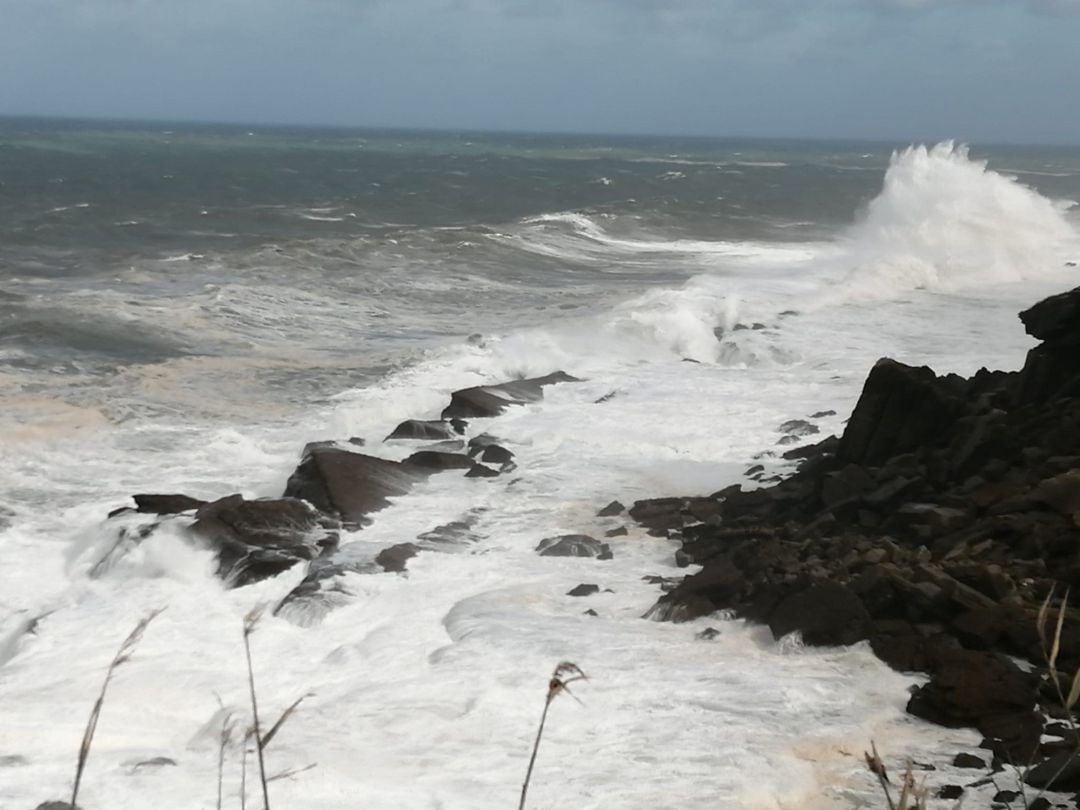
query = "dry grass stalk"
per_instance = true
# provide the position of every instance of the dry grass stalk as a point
(912, 796)
(565, 673)
(251, 621)
(1051, 647)
(127, 648)
(227, 727)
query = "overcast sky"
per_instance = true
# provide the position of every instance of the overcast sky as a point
(977, 70)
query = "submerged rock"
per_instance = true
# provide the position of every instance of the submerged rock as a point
(574, 545)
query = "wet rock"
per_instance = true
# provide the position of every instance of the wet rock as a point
(394, 558)
(436, 460)
(491, 400)
(166, 504)
(1060, 772)
(982, 690)
(481, 471)
(322, 590)
(428, 429)
(1061, 493)
(583, 590)
(55, 805)
(12, 761)
(708, 634)
(153, 762)
(262, 538)
(826, 615)
(950, 792)
(612, 509)
(968, 761)
(822, 414)
(350, 485)
(799, 427)
(621, 531)
(574, 545)
(496, 454)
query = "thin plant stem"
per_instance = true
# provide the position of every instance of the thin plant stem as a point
(249, 627)
(565, 673)
(127, 648)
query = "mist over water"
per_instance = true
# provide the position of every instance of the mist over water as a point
(185, 315)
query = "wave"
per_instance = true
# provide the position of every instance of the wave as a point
(945, 222)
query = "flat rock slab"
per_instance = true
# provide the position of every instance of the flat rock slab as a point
(491, 400)
(350, 485)
(584, 589)
(574, 545)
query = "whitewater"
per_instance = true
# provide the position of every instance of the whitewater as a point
(423, 689)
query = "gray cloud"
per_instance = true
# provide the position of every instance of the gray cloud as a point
(973, 69)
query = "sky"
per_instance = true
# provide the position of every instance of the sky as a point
(974, 70)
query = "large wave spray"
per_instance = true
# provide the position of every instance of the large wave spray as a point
(944, 221)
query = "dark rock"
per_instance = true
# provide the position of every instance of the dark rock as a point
(574, 545)
(436, 460)
(950, 792)
(428, 429)
(708, 634)
(822, 414)
(1054, 319)
(478, 443)
(968, 761)
(799, 427)
(971, 688)
(395, 557)
(55, 805)
(482, 471)
(154, 762)
(1060, 772)
(1006, 796)
(621, 531)
(613, 508)
(491, 400)
(755, 470)
(496, 454)
(590, 612)
(826, 614)
(1061, 493)
(166, 504)
(901, 408)
(715, 587)
(583, 590)
(1039, 803)
(352, 485)
(321, 590)
(262, 538)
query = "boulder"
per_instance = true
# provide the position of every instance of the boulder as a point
(394, 558)
(166, 504)
(491, 400)
(262, 538)
(826, 614)
(428, 429)
(612, 509)
(482, 471)
(438, 460)
(350, 485)
(496, 454)
(901, 408)
(1055, 319)
(1060, 772)
(583, 590)
(574, 545)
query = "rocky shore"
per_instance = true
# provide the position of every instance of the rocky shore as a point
(935, 528)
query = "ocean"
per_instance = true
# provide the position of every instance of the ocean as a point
(184, 307)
